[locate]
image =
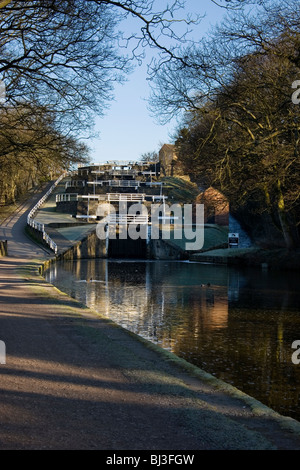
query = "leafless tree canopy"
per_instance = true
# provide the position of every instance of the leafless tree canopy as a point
(60, 59)
(67, 54)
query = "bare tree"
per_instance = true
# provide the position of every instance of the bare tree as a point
(210, 63)
(33, 152)
(150, 157)
(246, 140)
(68, 54)
(60, 60)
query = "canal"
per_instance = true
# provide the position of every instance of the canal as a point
(237, 324)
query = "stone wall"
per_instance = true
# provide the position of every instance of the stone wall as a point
(90, 247)
(168, 160)
(165, 249)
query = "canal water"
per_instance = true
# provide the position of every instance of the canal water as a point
(237, 324)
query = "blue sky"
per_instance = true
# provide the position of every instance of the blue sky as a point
(127, 130)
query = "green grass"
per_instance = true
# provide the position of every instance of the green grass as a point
(229, 252)
(214, 236)
(179, 190)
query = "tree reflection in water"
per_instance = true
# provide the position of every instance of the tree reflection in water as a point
(238, 325)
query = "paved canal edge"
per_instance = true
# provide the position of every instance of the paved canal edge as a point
(257, 407)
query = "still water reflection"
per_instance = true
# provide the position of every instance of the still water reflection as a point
(239, 325)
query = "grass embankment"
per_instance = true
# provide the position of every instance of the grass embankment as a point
(179, 189)
(279, 259)
(215, 236)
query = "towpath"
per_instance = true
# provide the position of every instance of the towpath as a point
(73, 380)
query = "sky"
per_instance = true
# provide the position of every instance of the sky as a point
(127, 130)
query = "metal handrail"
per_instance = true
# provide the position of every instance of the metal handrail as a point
(66, 197)
(127, 219)
(41, 227)
(131, 197)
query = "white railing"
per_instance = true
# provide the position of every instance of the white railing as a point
(87, 217)
(118, 163)
(50, 242)
(110, 197)
(115, 219)
(129, 197)
(124, 183)
(157, 198)
(36, 225)
(118, 183)
(121, 162)
(100, 183)
(122, 172)
(74, 184)
(41, 227)
(66, 197)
